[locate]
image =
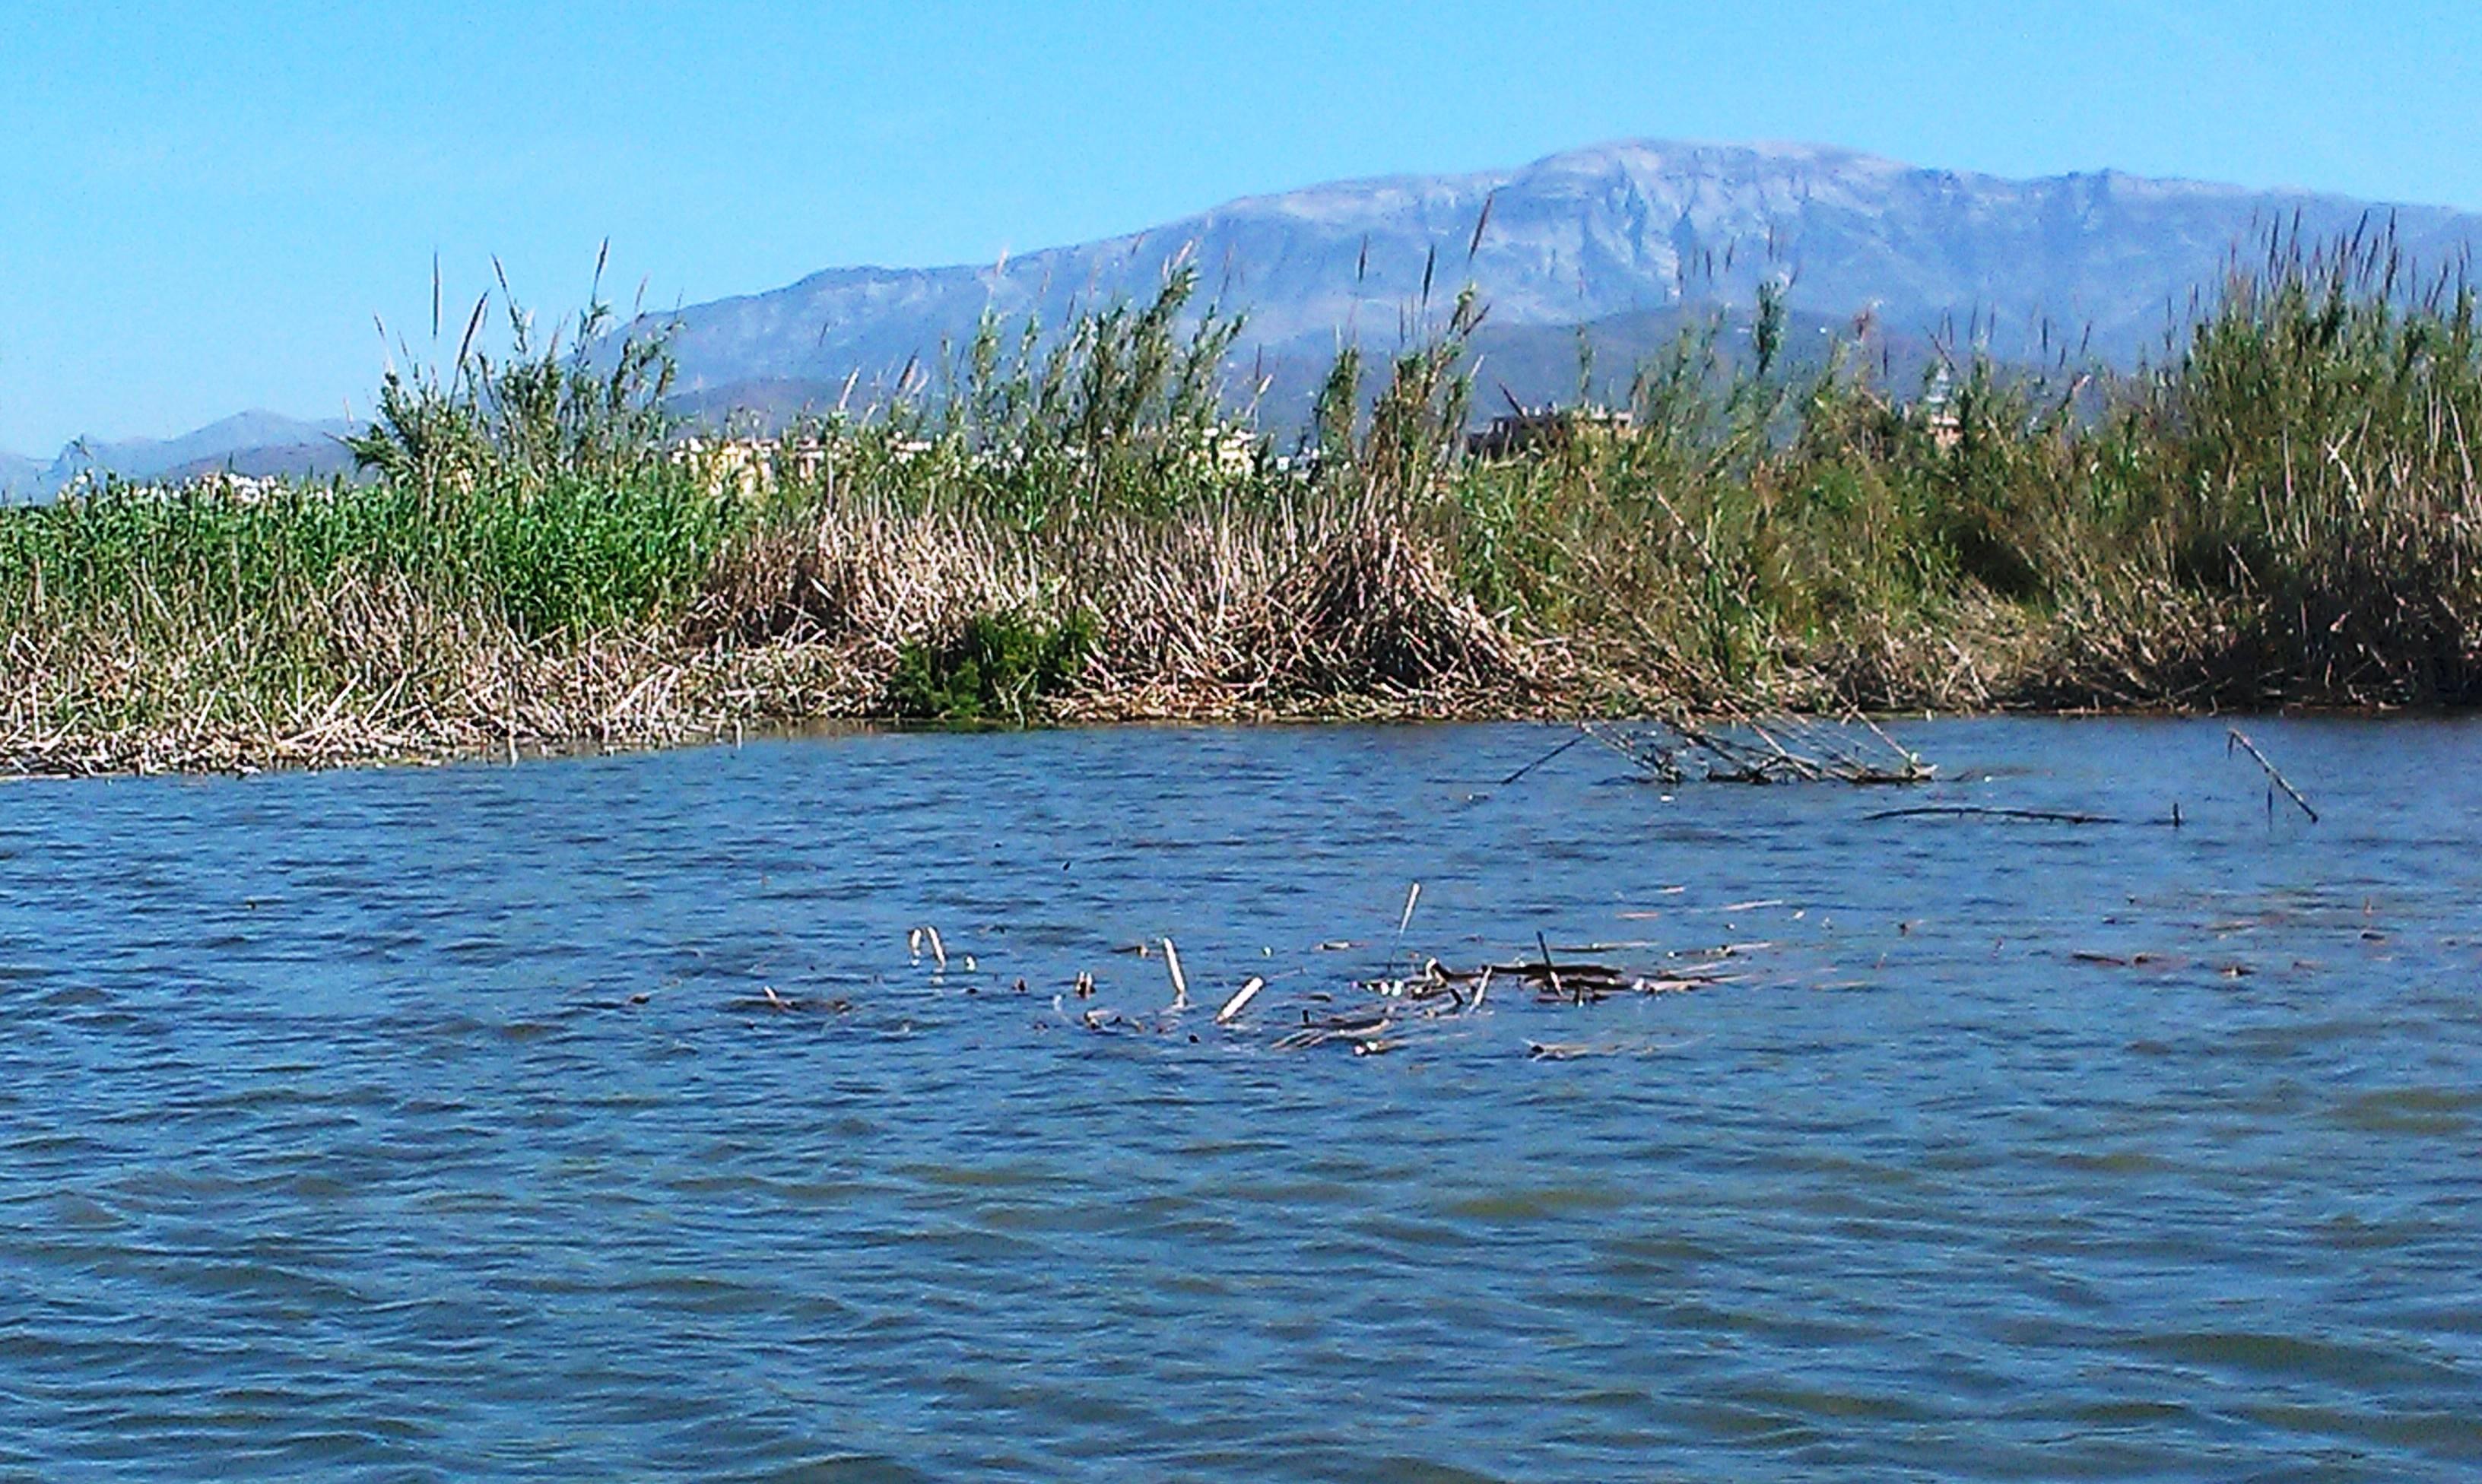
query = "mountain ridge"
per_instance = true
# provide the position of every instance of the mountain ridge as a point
(1609, 229)
(252, 442)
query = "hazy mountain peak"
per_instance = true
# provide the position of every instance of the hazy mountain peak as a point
(253, 442)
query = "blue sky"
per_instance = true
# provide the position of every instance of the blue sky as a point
(203, 208)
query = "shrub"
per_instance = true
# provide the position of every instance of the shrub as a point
(996, 672)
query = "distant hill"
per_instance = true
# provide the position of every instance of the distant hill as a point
(251, 443)
(2104, 261)
(21, 477)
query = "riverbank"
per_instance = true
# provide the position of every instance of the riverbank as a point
(2284, 514)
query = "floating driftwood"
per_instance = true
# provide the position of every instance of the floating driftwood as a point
(1402, 1006)
(1981, 811)
(1322, 1029)
(1442, 990)
(774, 1001)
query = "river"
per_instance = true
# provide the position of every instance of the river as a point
(594, 1117)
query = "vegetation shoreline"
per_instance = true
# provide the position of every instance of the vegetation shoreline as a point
(1069, 526)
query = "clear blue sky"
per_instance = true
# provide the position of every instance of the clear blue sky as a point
(202, 207)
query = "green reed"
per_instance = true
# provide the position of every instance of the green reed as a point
(2281, 510)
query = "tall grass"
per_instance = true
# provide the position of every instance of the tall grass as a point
(2282, 510)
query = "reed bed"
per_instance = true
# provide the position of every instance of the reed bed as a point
(1077, 526)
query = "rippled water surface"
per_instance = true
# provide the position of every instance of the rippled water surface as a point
(591, 1118)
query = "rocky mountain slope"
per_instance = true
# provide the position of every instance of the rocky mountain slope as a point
(2104, 262)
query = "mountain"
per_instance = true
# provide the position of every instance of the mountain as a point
(2107, 261)
(20, 478)
(249, 443)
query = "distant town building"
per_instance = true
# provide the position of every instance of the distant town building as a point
(1939, 411)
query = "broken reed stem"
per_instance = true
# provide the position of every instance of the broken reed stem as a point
(1240, 1000)
(1413, 895)
(1179, 980)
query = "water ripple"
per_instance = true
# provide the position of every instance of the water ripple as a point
(593, 1118)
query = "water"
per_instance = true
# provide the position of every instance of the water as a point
(439, 1125)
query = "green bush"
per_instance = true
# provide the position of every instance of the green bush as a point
(996, 672)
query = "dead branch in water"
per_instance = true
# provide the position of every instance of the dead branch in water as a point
(1585, 730)
(2045, 816)
(2233, 737)
(1780, 749)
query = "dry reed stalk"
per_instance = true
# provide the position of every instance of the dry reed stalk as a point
(1240, 1000)
(1179, 980)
